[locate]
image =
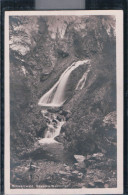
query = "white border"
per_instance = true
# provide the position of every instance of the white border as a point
(119, 72)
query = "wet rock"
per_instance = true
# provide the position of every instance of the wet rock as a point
(65, 112)
(63, 129)
(47, 120)
(59, 118)
(68, 116)
(54, 121)
(59, 138)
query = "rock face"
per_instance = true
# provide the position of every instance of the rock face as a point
(41, 49)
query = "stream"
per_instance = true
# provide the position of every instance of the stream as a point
(54, 123)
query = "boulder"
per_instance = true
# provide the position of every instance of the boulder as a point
(59, 138)
(79, 158)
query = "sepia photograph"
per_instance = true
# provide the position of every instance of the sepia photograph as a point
(63, 102)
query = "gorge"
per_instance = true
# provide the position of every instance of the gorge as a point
(63, 101)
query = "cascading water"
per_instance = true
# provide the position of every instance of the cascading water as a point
(54, 124)
(82, 81)
(55, 97)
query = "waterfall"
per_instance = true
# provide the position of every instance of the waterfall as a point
(55, 96)
(82, 81)
(54, 124)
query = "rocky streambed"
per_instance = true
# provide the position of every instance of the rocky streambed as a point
(50, 166)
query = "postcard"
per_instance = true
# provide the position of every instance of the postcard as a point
(63, 102)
